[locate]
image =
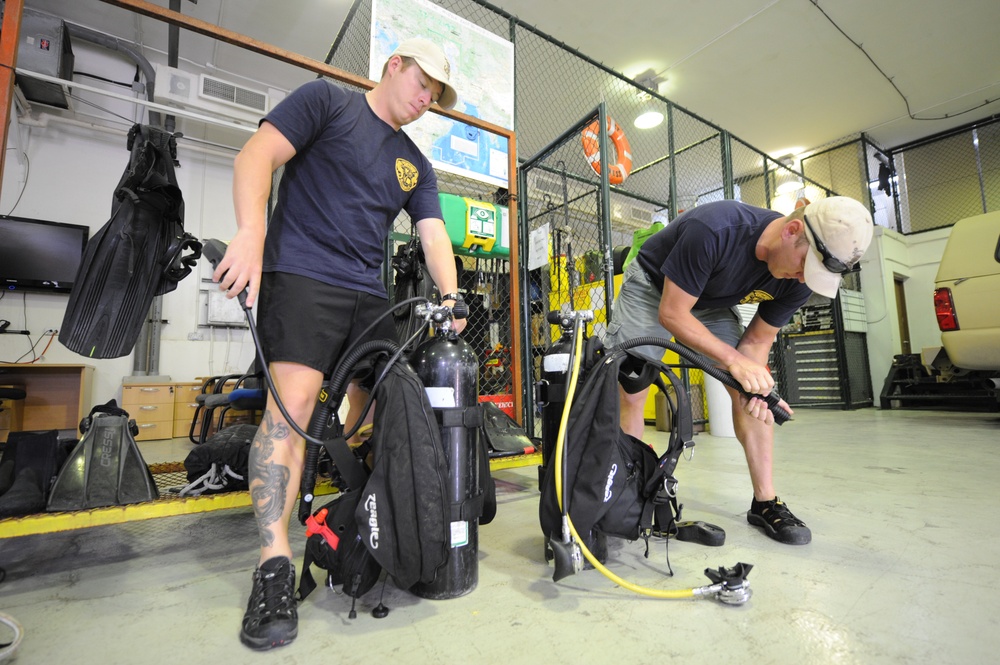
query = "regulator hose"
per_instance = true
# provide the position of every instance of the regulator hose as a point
(214, 250)
(335, 389)
(773, 399)
(335, 392)
(560, 445)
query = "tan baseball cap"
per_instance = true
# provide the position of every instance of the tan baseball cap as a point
(432, 60)
(843, 228)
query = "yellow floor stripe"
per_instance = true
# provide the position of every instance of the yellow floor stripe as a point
(168, 506)
(165, 506)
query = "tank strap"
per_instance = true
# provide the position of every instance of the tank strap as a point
(550, 392)
(460, 416)
(468, 510)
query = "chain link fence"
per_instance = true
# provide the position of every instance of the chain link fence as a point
(861, 170)
(922, 186)
(945, 179)
(681, 162)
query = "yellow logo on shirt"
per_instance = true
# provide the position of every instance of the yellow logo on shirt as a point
(407, 174)
(755, 297)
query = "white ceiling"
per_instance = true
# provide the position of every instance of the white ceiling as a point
(776, 73)
(779, 74)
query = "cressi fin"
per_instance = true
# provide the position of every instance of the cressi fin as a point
(105, 468)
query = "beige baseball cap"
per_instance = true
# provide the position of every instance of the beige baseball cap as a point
(839, 231)
(432, 60)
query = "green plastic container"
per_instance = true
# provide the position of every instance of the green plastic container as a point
(476, 228)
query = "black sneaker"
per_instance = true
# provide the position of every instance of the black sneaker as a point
(271, 619)
(778, 522)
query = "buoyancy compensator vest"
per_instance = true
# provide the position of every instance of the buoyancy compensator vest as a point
(394, 515)
(615, 482)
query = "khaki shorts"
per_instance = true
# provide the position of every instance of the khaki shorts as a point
(636, 314)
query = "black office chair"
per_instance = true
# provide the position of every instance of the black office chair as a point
(248, 394)
(251, 395)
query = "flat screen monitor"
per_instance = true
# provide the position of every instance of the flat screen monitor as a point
(37, 255)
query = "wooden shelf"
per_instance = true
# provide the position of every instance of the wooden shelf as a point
(58, 396)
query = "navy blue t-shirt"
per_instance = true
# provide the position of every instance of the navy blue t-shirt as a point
(709, 251)
(350, 177)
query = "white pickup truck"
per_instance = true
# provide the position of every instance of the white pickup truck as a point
(967, 293)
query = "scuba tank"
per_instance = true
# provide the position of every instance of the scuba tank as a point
(551, 389)
(552, 396)
(449, 370)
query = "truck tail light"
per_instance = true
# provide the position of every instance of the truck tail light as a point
(944, 308)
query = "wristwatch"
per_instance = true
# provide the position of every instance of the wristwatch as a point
(460, 310)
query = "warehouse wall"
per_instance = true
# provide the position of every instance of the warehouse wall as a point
(64, 170)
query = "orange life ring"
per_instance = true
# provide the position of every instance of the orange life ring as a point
(616, 172)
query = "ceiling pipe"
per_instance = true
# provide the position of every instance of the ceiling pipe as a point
(142, 362)
(146, 357)
(127, 48)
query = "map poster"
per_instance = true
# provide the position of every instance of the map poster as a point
(482, 68)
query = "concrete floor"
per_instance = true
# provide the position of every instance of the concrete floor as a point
(902, 569)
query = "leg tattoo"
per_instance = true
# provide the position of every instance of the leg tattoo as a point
(269, 487)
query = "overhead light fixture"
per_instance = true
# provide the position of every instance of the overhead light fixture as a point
(650, 114)
(648, 119)
(787, 181)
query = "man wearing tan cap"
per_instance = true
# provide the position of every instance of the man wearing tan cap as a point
(315, 263)
(686, 282)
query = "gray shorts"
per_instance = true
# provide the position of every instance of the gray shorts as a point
(636, 314)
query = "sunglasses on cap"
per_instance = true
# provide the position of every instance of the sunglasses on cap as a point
(830, 262)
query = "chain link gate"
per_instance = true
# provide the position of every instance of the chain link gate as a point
(587, 229)
(566, 218)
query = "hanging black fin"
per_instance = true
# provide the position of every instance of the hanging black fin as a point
(137, 255)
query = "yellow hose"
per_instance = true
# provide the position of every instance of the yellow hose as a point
(560, 442)
(564, 417)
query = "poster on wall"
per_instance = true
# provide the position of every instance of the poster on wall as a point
(482, 68)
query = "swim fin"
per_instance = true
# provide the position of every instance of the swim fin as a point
(106, 467)
(31, 460)
(137, 255)
(502, 433)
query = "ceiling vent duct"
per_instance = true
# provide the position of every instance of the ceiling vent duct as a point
(201, 92)
(643, 216)
(45, 48)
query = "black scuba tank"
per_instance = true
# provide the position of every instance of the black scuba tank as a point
(551, 389)
(449, 370)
